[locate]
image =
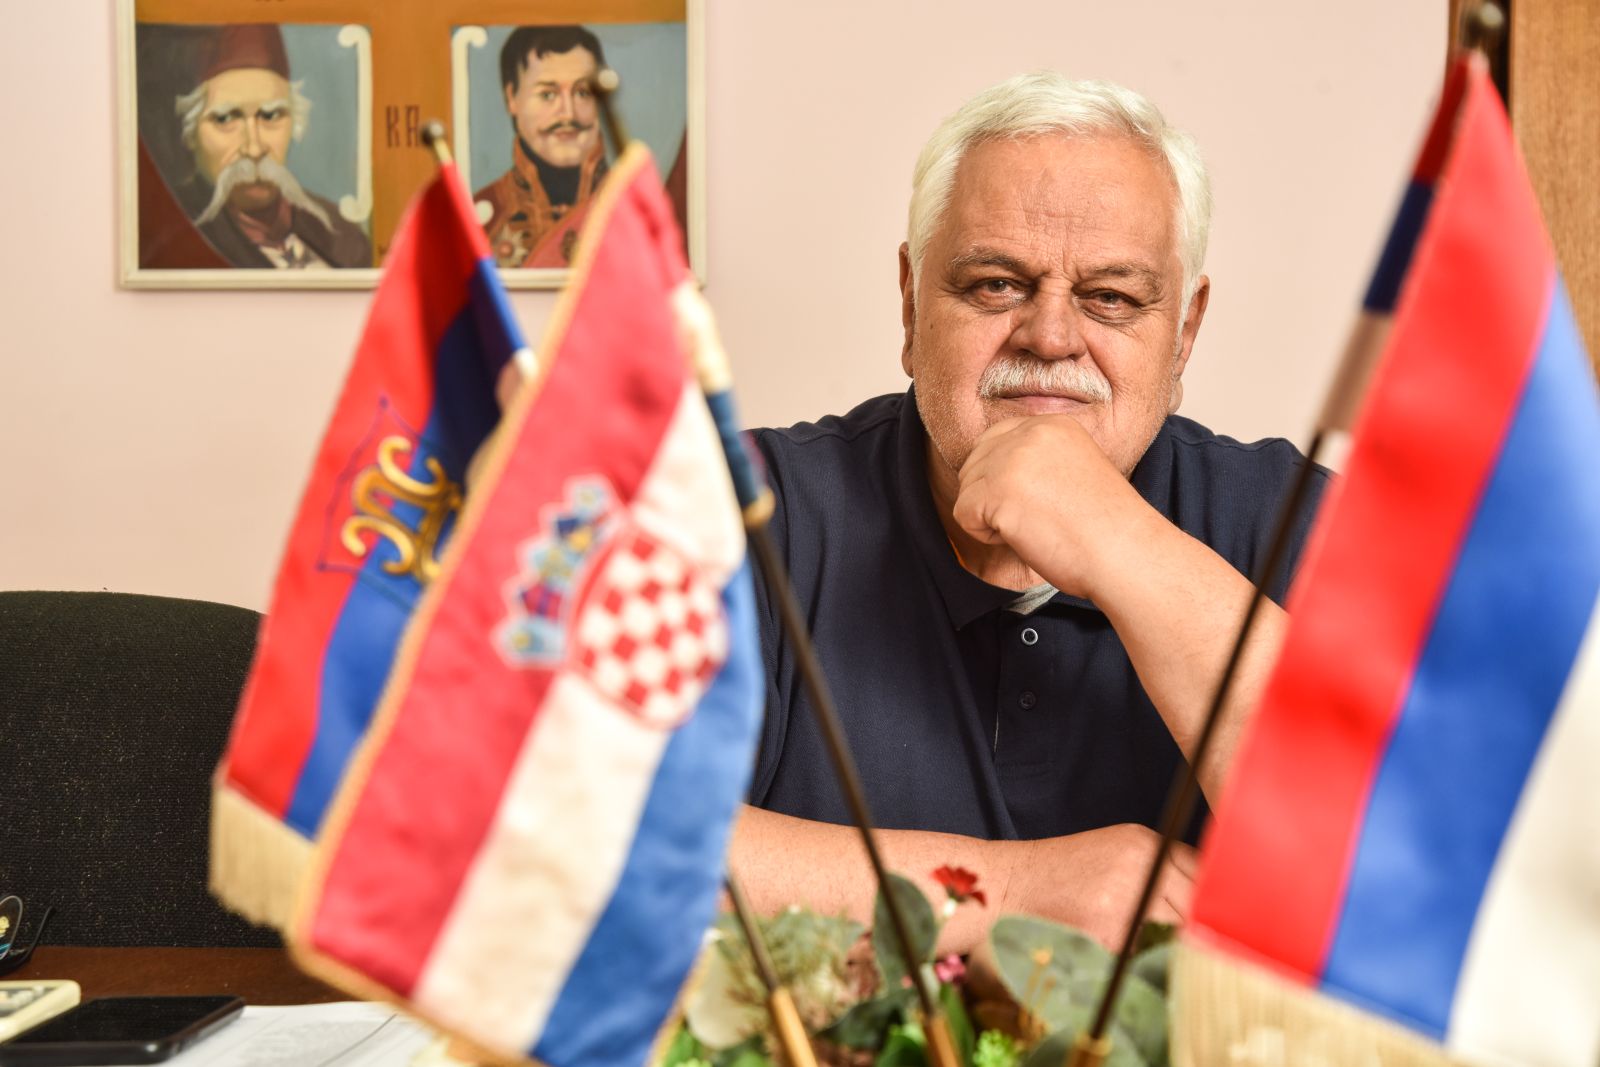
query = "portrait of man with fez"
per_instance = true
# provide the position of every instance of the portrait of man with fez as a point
(531, 212)
(235, 118)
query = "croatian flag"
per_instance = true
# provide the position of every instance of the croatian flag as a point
(1413, 825)
(531, 845)
(382, 501)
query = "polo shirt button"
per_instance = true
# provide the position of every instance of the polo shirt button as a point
(1028, 699)
(1030, 636)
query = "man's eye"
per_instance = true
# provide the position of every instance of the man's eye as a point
(584, 92)
(996, 294)
(271, 114)
(1111, 302)
(223, 120)
(547, 95)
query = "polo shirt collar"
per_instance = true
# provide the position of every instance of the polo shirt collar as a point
(966, 596)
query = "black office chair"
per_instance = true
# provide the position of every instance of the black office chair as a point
(114, 709)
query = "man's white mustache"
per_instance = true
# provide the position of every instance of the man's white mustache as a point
(244, 171)
(1015, 375)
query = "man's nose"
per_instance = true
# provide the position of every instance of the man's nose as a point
(564, 105)
(1050, 325)
(254, 147)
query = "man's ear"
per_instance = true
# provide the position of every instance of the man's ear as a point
(908, 306)
(1192, 318)
(511, 94)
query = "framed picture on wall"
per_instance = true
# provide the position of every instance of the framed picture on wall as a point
(528, 137)
(276, 143)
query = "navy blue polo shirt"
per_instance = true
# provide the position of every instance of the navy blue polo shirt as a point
(966, 716)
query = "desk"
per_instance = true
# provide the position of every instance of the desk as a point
(259, 975)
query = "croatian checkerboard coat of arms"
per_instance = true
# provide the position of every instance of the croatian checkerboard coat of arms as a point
(597, 593)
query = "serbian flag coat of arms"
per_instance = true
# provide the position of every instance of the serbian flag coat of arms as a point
(381, 503)
(530, 845)
(1405, 867)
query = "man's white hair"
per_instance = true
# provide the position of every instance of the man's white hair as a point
(1046, 102)
(191, 107)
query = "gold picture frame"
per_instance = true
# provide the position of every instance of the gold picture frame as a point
(327, 99)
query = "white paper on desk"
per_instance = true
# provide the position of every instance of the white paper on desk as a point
(345, 1034)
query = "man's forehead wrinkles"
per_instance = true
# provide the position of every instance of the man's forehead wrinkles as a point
(224, 106)
(1135, 271)
(984, 256)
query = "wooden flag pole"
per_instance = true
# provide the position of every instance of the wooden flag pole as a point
(786, 1022)
(756, 503)
(1480, 29)
(755, 500)
(433, 136)
(606, 84)
(1094, 1045)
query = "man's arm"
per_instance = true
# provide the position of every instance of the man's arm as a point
(1042, 487)
(1090, 880)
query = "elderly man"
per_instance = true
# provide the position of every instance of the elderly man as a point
(238, 122)
(532, 211)
(1023, 576)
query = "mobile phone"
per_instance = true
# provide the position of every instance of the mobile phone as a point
(24, 1005)
(117, 1030)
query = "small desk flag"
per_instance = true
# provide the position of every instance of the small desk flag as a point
(530, 846)
(1405, 867)
(381, 503)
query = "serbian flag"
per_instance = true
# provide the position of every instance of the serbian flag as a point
(530, 846)
(382, 501)
(1405, 867)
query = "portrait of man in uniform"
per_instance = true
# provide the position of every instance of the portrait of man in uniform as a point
(536, 149)
(558, 154)
(218, 188)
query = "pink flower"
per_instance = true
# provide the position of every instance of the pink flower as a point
(961, 884)
(950, 970)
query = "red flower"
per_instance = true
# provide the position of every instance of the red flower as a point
(961, 884)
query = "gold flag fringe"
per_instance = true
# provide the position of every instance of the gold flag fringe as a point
(1228, 1013)
(256, 861)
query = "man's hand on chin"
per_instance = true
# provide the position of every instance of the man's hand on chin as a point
(1042, 486)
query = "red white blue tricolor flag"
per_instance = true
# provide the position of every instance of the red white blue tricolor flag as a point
(530, 846)
(382, 502)
(1412, 827)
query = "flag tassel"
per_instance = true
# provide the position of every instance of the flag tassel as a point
(1228, 1011)
(256, 860)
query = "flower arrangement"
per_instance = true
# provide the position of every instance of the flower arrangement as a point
(852, 991)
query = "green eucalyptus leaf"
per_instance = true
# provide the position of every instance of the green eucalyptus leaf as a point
(684, 1050)
(923, 928)
(906, 1046)
(1153, 965)
(1153, 934)
(1058, 975)
(1142, 1015)
(864, 1025)
(750, 1053)
(1049, 969)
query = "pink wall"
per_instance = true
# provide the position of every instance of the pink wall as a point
(154, 441)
